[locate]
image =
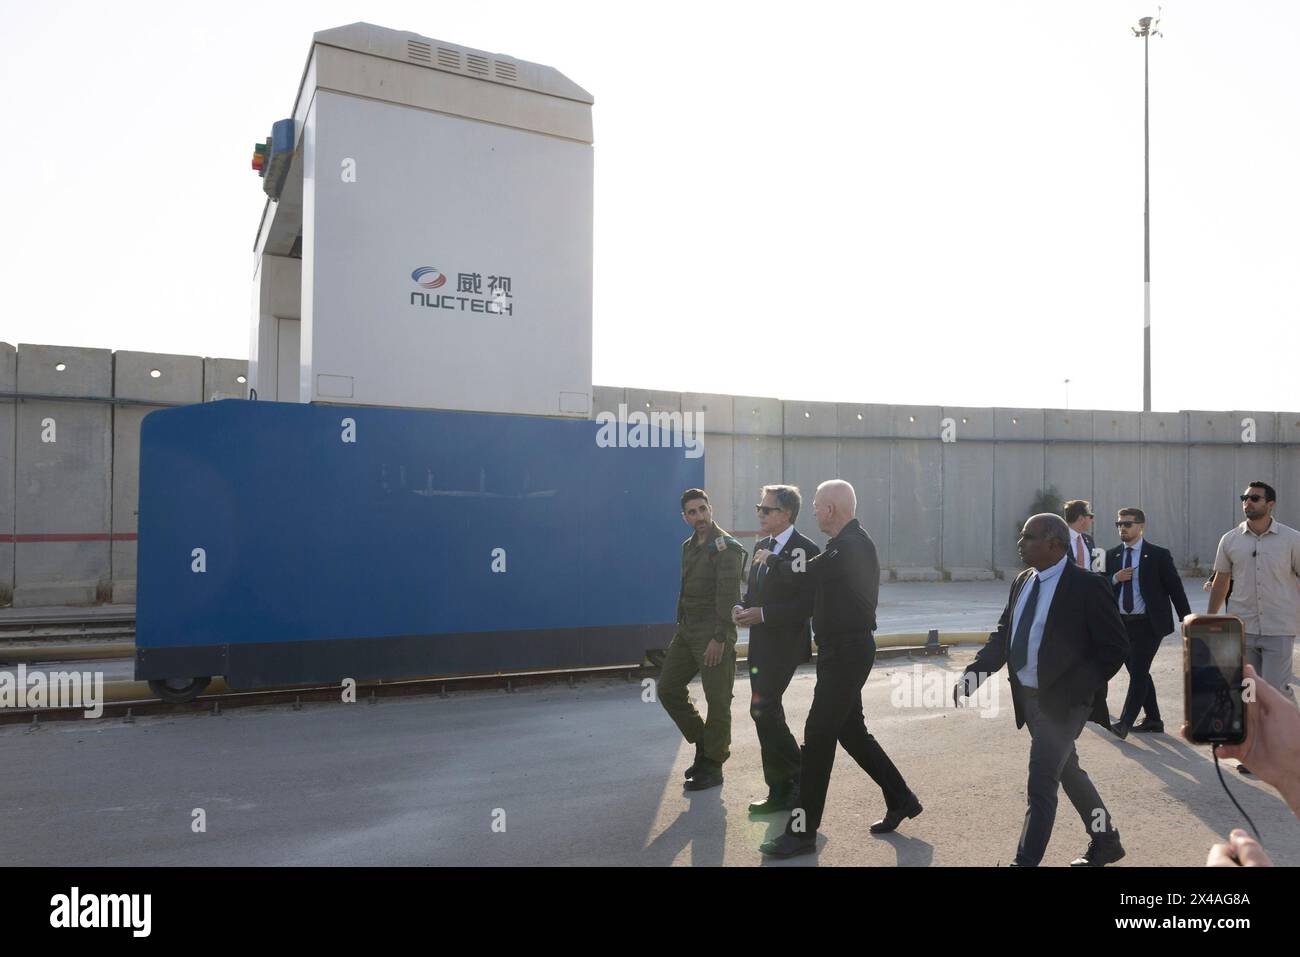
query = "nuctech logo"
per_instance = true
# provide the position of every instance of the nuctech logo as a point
(470, 295)
(429, 277)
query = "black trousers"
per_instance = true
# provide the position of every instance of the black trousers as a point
(770, 671)
(1100, 708)
(1143, 645)
(1053, 764)
(843, 664)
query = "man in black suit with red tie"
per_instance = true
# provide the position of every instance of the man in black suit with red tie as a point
(1145, 581)
(776, 611)
(1061, 638)
(1078, 515)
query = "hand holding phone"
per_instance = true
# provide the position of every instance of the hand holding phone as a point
(1213, 653)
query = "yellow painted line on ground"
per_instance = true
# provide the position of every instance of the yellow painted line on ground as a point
(106, 650)
(58, 651)
(126, 690)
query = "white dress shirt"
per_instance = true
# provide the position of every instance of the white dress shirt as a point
(1048, 580)
(779, 542)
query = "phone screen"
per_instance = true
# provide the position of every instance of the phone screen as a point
(1213, 682)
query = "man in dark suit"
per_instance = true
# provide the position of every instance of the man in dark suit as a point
(1145, 581)
(1062, 638)
(776, 611)
(1079, 516)
(846, 583)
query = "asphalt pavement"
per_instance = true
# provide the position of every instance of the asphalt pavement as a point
(592, 775)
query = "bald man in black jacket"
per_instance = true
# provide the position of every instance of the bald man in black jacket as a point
(846, 579)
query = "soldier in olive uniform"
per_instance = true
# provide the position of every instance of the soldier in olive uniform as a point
(704, 642)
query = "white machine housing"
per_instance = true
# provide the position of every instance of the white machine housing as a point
(432, 245)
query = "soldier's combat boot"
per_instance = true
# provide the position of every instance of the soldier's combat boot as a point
(708, 774)
(695, 765)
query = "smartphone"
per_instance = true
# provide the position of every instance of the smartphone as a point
(1213, 649)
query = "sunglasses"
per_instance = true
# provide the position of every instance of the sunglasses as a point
(1252, 498)
(768, 509)
(1128, 524)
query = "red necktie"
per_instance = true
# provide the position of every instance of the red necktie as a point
(1079, 552)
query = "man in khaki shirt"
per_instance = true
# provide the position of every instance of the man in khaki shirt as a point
(1261, 557)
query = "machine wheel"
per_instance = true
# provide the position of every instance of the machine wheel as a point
(178, 690)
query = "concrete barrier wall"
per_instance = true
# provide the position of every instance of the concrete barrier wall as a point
(758, 456)
(8, 383)
(942, 491)
(1019, 463)
(865, 463)
(63, 463)
(69, 463)
(1163, 481)
(968, 509)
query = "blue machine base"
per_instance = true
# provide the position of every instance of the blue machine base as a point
(368, 659)
(282, 543)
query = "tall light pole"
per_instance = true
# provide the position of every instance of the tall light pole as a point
(1145, 29)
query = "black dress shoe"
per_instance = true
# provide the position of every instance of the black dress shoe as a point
(778, 799)
(707, 775)
(1120, 730)
(790, 845)
(894, 816)
(1149, 726)
(1102, 850)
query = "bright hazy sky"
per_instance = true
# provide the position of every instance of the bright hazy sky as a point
(932, 203)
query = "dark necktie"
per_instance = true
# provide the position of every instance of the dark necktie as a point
(1020, 643)
(1127, 590)
(770, 544)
